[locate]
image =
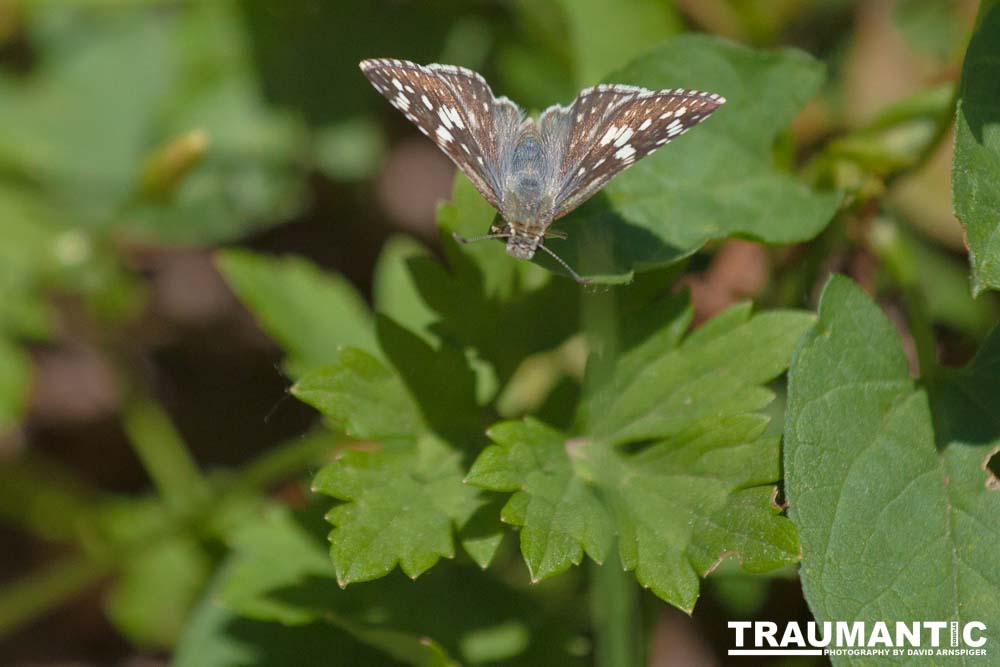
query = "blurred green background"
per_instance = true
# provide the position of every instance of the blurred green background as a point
(138, 137)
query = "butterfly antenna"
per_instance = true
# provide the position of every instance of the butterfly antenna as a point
(461, 239)
(576, 276)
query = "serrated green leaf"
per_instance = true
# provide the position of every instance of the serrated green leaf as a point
(718, 180)
(861, 463)
(659, 389)
(311, 313)
(976, 169)
(698, 494)
(358, 392)
(440, 382)
(402, 505)
(559, 516)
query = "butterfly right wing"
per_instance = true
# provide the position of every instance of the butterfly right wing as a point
(610, 127)
(455, 108)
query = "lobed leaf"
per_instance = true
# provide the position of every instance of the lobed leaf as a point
(699, 487)
(401, 508)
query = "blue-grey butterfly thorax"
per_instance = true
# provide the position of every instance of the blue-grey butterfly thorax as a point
(527, 202)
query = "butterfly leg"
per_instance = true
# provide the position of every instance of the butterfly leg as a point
(556, 234)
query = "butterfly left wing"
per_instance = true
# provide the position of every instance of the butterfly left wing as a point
(455, 108)
(610, 127)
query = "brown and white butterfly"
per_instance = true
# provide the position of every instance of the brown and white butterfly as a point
(536, 171)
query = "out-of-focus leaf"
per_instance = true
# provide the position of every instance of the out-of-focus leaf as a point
(350, 150)
(114, 70)
(309, 312)
(929, 26)
(279, 572)
(308, 54)
(861, 463)
(701, 491)
(15, 373)
(607, 35)
(252, 170)
(976, 170)
(136, 79)
(157, 589)
(717, 180)
(394, 291)
(898, 138)
(218, 637)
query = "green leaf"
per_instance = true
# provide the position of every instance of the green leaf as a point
(157, 589)
(696, 488)
(219, 637)
(559, 515)
(115, 69)
(487, 300)
(661, 389)
(863, 459)
(279, 572)
(401, 508)
(976, 169)
(439, 380)
(719, 180)
(361, 395)
(394, 291)
(309, 312)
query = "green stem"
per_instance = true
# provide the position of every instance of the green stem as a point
(164, 455)
(614, 609)
(894, 249)
(287, 460)
(25, 600)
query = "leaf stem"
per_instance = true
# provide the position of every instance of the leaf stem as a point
(164, 455)
(614, 608)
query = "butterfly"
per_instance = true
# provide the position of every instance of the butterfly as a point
(535, 171)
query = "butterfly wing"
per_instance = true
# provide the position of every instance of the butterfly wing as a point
(455, 107)
(610, 127)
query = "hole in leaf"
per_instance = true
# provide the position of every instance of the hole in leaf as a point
(992, 467)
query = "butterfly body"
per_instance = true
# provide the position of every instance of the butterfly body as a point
(534, 172)
(527, 203)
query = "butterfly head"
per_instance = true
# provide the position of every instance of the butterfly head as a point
(522, 245)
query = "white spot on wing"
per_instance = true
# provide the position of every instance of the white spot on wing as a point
(609, 136)
(427, 103)
(624, 136)
(455, 118)
(396, 83)
(646, 123)
(443, 134)
(445, 118)
(626, 153)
